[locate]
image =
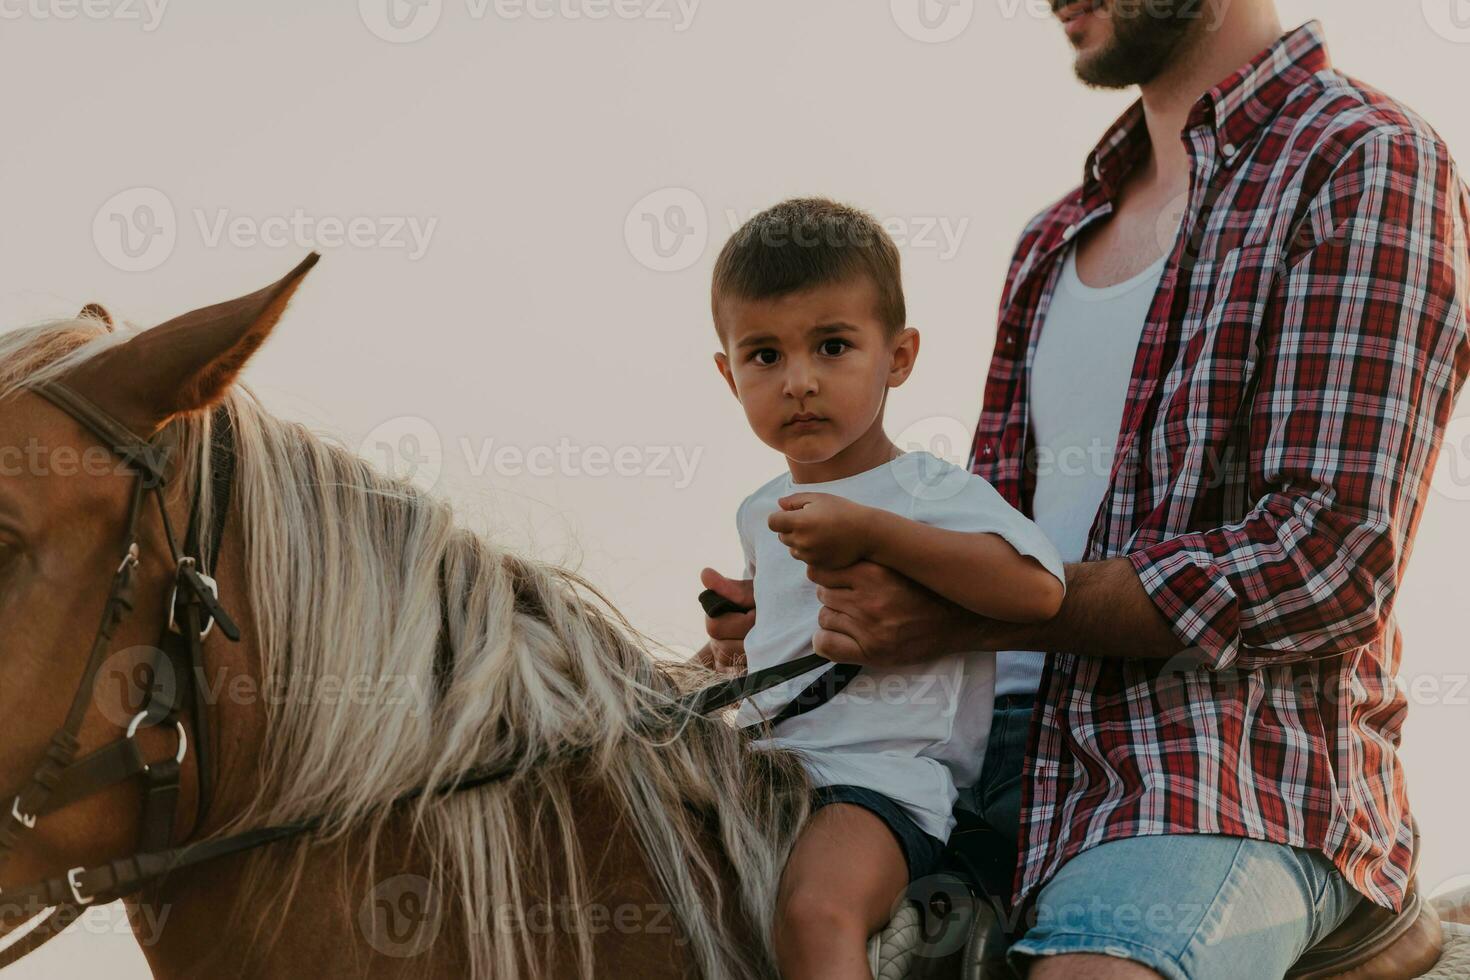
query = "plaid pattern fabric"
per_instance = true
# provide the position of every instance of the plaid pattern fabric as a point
(1295, 375)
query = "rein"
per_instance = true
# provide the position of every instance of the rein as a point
(193, 611)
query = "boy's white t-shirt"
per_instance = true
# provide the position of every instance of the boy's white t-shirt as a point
(913, 734)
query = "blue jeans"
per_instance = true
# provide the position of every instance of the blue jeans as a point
(1189, 906)
(997, 796)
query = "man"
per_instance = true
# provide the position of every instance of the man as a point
(1211, 777)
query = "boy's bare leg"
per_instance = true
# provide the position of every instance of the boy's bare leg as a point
(840, 884)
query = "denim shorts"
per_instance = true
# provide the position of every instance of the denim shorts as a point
(920, 850)
(1189, 906)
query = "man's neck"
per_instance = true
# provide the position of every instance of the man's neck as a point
(1233, 33)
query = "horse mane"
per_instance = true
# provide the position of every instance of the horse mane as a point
(350, 575)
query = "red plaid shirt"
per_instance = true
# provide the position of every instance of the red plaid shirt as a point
(1294, 378)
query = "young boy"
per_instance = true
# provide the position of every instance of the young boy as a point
(808, 304)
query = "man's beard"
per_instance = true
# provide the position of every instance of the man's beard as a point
(1148, 35)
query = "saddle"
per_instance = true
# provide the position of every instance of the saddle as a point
(1374, 943)
(955, 927)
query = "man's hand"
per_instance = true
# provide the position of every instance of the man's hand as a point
(823, 530)
(727, 634)
(873, 615)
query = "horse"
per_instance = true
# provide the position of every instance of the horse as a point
(378, 652)
(413, 754)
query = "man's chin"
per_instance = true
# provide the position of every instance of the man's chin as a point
(1128, 55)
(1097, 69)
(1096, 58)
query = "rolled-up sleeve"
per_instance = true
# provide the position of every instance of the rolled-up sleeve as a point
(1363, 352)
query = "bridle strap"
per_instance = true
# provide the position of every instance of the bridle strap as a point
(200, 604)
(26, 806)
(145, 457)
(61, 778)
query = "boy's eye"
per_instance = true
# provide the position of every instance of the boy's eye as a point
(760, 356)
(828, 347)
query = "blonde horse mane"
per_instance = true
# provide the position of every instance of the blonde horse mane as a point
(344, 577)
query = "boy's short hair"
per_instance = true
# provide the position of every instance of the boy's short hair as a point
(808, 242)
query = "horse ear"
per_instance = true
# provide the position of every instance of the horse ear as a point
(188, 363)
(96, 311)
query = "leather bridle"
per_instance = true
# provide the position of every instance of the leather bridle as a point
(194, 610)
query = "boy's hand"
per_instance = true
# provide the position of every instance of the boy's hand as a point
(727, 633)
(823, 530)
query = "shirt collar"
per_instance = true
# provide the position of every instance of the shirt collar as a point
(1236, 108)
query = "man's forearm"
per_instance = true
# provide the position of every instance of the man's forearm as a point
(1106, 613)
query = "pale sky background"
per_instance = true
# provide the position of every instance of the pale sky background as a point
(535, 309)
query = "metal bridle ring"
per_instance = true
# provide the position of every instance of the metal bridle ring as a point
(137, 723)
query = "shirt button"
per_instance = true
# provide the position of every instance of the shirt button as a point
(1069, 232)
(985, 451)
(1230, 150)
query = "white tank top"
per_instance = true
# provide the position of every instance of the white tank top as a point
(1078, 382)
